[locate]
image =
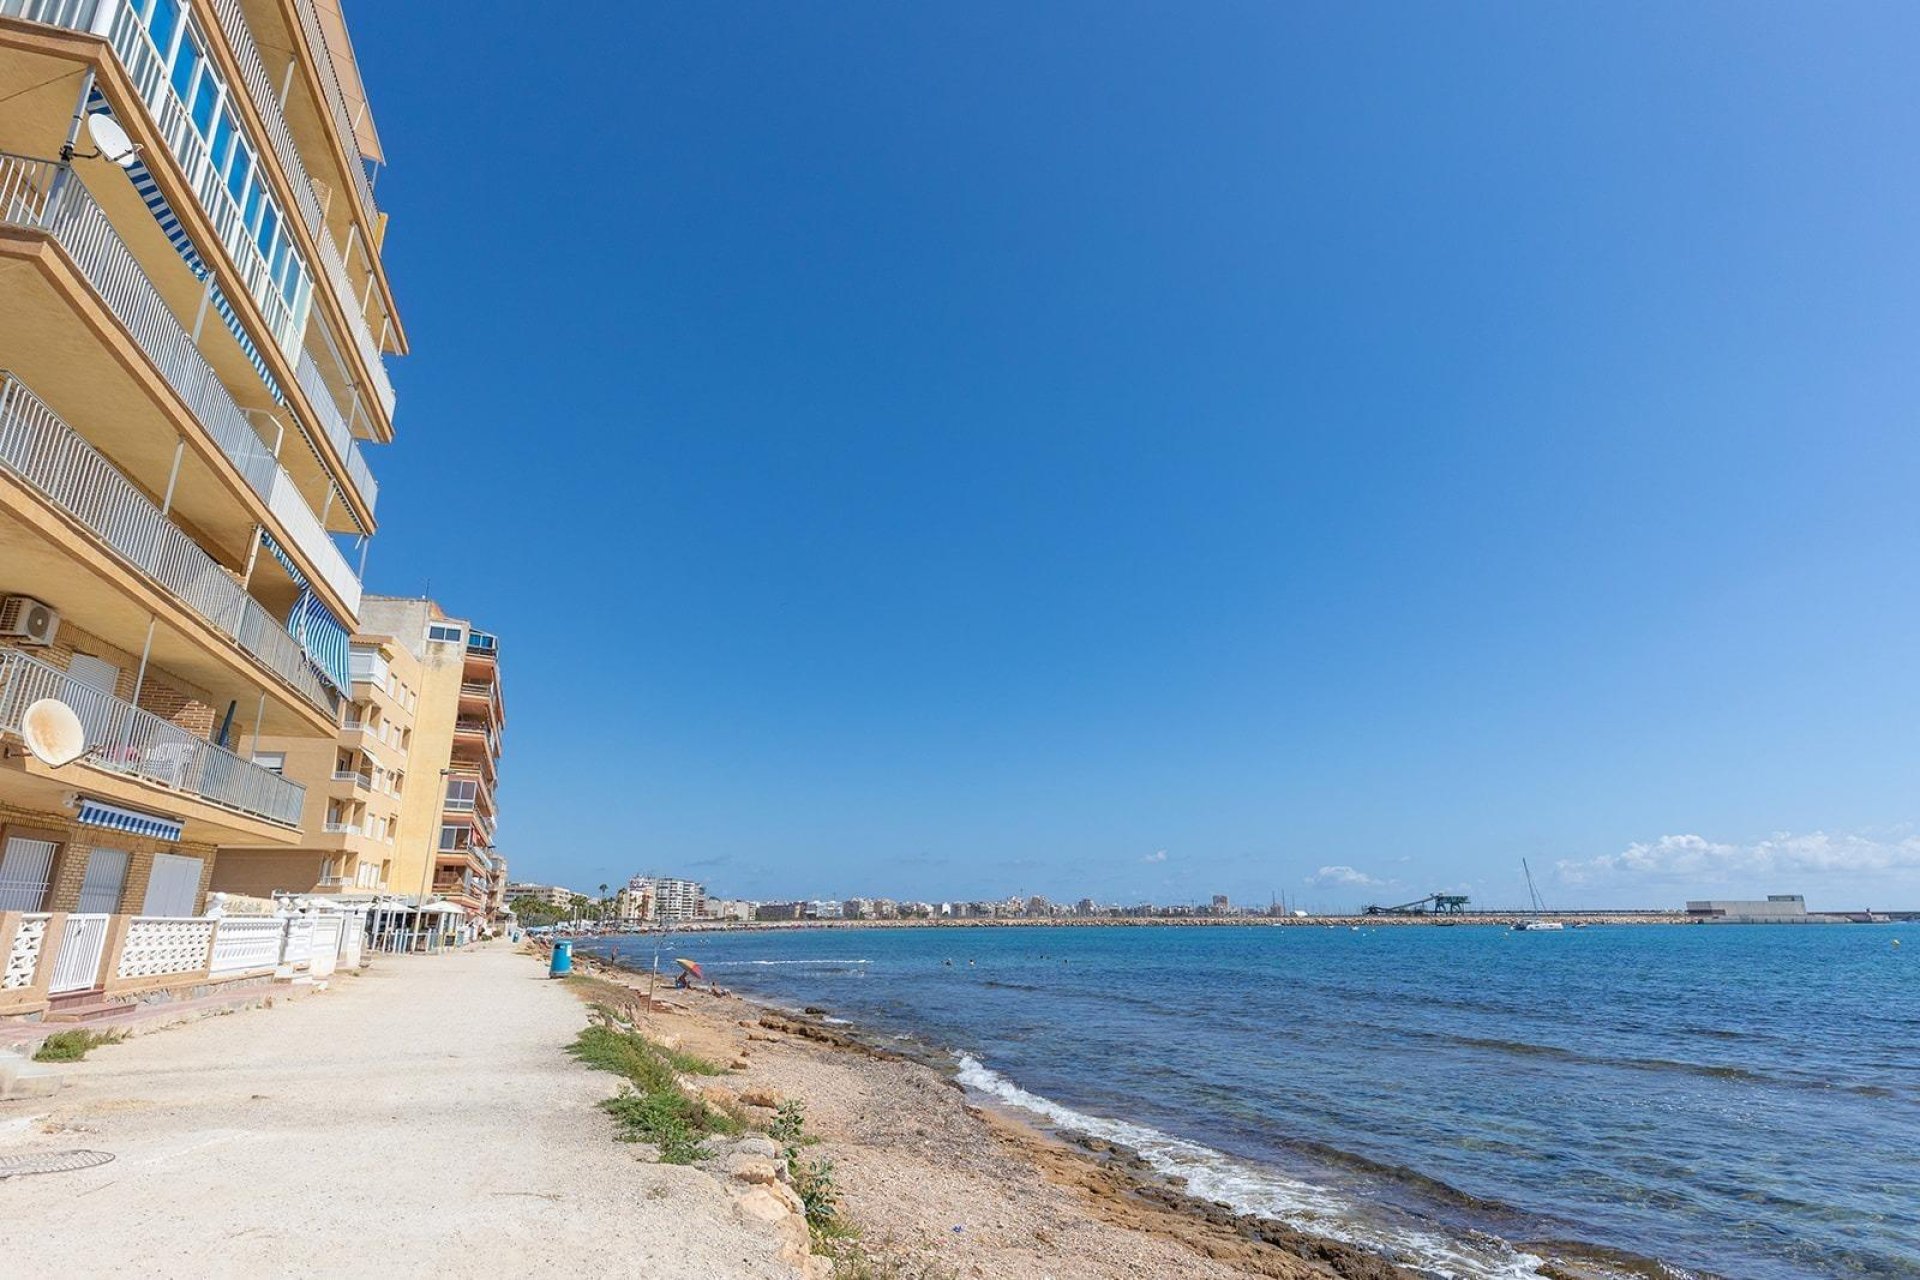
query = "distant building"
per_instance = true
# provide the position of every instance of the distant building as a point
(1776, 908)
(551, 894)
(667, 899)
(780, 911)
(1221, 906)
(729, 909)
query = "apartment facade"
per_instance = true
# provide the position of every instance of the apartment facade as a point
(401, 804)
(449, 816)
(662, 898)
(193, 332)
(354, 782)
(551, 894)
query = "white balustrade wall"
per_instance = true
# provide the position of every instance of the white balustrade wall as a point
(157, 947)
(23, 957)
(247, 942)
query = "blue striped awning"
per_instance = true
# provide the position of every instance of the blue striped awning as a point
(149, 192)
(111, 816)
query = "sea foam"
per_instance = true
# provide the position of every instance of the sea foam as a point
(1267, 1193)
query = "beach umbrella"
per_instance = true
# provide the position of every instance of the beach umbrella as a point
(691, 968)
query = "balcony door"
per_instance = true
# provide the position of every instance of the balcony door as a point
(26, 868)
(173, 886)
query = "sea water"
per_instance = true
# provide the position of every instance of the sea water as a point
(1741, 1101)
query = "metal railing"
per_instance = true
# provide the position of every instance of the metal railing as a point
(322, 54)
(121, 738)
(267, 104)
(57, 462)
(335, 425)
(49, 196)
(145, 67)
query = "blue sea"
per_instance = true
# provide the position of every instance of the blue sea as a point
(1737, 1101)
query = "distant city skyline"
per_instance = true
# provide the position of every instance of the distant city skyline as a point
(950, 448)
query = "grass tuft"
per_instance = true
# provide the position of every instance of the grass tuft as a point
(654, 1108)
(71, 1046)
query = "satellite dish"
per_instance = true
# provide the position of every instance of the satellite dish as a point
(110, 140)
(53, 732)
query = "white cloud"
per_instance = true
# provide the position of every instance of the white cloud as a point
(1158, 855)
(1342, 875)
(1691, 858)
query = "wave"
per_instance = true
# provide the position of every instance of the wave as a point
(1249, 1189)
(757, 964)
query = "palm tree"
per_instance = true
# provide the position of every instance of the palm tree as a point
(603, 903)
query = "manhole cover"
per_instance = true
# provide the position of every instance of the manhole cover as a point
(52, 1162)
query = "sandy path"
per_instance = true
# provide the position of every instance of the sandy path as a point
(417, 1119)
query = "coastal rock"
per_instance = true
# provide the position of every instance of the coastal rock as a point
(718, 1095)
(753, 1169)
(758, 1147)
(739, 1064)
(761, 1205)
(760, 1098)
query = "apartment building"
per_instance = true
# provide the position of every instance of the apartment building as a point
(662, 898)
(355, 782)
(551, 894)
(193, 333)
(449, 815)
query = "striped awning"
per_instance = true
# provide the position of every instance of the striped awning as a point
(169, 221)
(95, 813)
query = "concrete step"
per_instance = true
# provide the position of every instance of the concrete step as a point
(86, 1011)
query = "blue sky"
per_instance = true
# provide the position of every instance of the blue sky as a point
(1158, 450)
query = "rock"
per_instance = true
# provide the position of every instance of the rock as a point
(745, 1168)
(762, 1148)
(761, 1205)
(648, 1151)
(718, 1095)
(739, 1064)
(791, 1199)
(816, 1009)
(760, 1098)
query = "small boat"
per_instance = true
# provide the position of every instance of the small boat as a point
(1533, 896)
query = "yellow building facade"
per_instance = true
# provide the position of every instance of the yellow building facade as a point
(194, 320)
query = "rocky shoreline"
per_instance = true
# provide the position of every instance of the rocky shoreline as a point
(912, 1150)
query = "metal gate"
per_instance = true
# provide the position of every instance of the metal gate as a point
(76, 966)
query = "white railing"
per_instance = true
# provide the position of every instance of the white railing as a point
(122, 738)
(331, 421)
(75, 15)
(160, 946)
(247, 942)
(76, 967)
(53, 458)
(322, 54)
(22, 960)
(344, 829)
(267, 102)
(146, 68)
(51, 197)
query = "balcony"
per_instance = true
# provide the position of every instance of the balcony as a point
(73, 476)
(123, 739)
(362, 781)
(281, 290)
(46, 196)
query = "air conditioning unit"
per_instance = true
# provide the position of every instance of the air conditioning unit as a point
(28, 620)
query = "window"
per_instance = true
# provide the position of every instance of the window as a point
(456, 839)
(461, 793)
(438, 632)
(271, 761)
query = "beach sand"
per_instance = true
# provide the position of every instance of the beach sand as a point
(940, 1187)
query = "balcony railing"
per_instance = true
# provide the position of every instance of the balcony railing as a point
(48, 196)
(122, 738)
(344, 829)
(267, 103)
(130, 42)
(145, 68)
(53, 459)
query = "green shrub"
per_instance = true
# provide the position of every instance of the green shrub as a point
(71, 1046)
(654, 1108)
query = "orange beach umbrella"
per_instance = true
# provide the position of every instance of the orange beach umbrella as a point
(691, 968)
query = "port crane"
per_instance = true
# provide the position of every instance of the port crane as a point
(1439, 904)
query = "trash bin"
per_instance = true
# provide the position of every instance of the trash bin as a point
(562, 958)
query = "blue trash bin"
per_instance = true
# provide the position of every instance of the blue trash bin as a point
(562, 959)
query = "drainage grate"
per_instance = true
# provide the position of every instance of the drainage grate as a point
(52, 1162)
